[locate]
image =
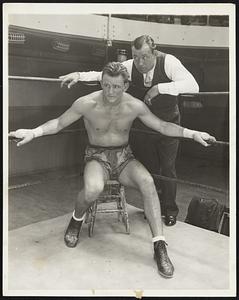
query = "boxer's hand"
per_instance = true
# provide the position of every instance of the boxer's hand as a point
(26, 135)
(70, 79)
(151, 93)
(204, 138)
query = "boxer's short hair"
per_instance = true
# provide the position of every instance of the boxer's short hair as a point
(114, 69)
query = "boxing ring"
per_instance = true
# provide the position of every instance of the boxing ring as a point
(40, 264)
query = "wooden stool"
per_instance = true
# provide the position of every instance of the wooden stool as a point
(113, 192)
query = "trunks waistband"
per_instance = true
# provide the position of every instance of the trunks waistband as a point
(108, 147)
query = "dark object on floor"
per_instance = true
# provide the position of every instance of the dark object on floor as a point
(170, 220)
(225, 223)
(165, 266)
(208, 214)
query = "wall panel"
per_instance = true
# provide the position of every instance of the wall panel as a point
(46, 153)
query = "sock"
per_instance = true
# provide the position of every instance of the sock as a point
(78, 219)
(158, 238)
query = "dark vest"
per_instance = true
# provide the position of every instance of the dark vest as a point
(164, 106)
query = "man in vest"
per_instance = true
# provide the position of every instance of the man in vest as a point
(156, 78)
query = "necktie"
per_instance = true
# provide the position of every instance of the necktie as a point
(148, 80)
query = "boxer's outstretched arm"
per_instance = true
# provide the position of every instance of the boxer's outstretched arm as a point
(51, 127)
(171, 129)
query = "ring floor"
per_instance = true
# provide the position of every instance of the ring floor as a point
(40, 262)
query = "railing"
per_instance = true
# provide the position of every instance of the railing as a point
(45, 79)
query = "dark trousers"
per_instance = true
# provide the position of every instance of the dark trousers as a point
(158, 154)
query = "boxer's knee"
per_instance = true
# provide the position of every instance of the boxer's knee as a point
(93, 190)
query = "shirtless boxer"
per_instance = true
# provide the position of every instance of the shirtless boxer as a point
(108, 116)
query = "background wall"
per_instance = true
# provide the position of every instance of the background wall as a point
(116, 28)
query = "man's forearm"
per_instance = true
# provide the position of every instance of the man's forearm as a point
(171, 129)
(182, 81)
(50, 127)
(178, 87)
(174, 130)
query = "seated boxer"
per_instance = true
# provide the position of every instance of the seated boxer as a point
(108, 116)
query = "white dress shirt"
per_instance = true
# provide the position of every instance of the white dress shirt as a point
(182, 80)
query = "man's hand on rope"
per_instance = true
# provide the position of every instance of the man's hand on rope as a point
(203, 138)
(70, 79)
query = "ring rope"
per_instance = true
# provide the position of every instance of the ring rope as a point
(46, 79)
(23, 185)
(215, 189)
(133, 129)
(155, 132)
(35, 78)
(208, 187)
(203, 94)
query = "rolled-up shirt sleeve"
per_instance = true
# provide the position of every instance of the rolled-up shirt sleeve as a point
(90, 76)
(182, 80)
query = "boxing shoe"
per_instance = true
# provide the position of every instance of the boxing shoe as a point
(165, 266)
(72, 233)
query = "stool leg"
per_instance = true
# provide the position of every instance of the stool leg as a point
(88, 215)
(115, 190)
(119, 207)
(124, 207)
(93, 209)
